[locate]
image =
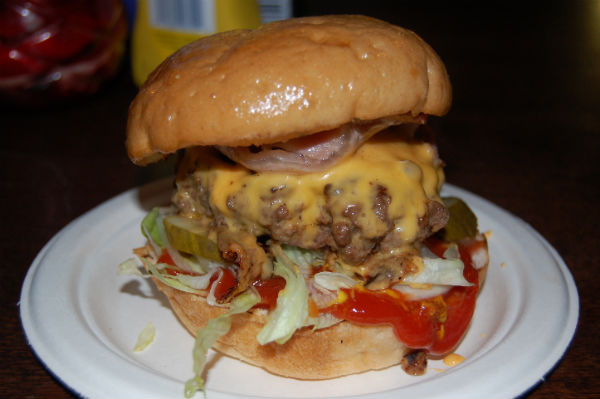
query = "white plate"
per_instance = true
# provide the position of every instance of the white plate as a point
(82, 319)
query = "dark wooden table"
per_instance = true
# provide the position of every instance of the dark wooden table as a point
(524, 133)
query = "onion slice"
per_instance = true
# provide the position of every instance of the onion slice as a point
(315, 152)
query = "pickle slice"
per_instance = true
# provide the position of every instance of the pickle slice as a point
(462, 221)
(187, 236)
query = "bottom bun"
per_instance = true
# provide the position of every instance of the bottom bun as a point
(342, 349)
(339, 350)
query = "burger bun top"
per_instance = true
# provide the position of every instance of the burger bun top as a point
(284, 80)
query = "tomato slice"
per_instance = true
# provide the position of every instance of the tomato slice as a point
(436, 324)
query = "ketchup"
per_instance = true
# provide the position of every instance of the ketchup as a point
(436, 324)
(223, 286)
(269, 290)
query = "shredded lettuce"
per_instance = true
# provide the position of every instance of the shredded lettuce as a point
(192, 263)
(152, 227)
(302, 258)
(439, 271)
(291, 311)
(202, 265)
(176, 281)
(452, 252)
(200, 282)
(208, 335)
(183, 282)
(145, 338)
(130, 267)
(194, 284)
(334, 281)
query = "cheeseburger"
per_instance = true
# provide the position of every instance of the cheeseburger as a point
(306, 234)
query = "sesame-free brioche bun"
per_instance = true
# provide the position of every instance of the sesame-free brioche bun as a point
(284, 80)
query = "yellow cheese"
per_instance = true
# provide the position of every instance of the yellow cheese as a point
(453, 359)
(409, 173)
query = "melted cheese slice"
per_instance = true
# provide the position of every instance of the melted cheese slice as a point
(408, 173)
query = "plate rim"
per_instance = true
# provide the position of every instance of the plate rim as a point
(549, 362)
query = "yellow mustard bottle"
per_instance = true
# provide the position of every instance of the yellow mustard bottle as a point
(163, 26)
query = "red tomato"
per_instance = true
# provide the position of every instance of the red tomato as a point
(269, 290)
(435, 324)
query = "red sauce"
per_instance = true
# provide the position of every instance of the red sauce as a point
(224, 285)
(435, 324)
(269, 290)
(166, 258)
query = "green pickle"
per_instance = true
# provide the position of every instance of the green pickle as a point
(462, 221)
(186, 236)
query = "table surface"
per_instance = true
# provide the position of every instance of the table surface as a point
(523, 133)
